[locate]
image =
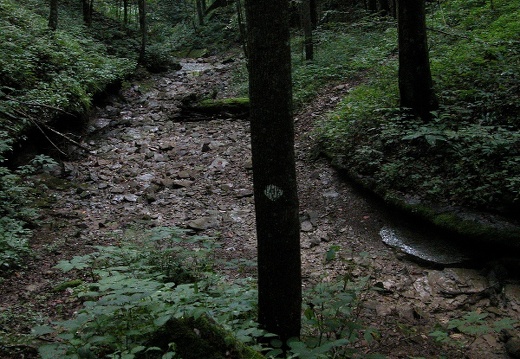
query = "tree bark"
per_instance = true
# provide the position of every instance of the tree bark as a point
(274, 175)
(53, 15)
(415, 80)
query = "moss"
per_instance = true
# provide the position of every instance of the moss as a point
(201, 338)
(68, 284)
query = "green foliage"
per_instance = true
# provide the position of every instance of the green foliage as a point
(149, 281)
(16, 209)
(472, 325)
(331, 324)
(468, 155)
(41, 70)
(339, 57)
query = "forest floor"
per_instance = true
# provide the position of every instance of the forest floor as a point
(149, 165)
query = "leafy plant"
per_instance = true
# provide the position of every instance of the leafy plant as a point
(149, 281)
(462, 331)
(16, 209)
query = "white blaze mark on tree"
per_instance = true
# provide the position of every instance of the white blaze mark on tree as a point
(273, 192)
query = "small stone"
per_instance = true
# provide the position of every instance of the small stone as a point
(306, 226)
(248, 165)
(241, 193)
(130, 197)
(183, 174)
(182, 183)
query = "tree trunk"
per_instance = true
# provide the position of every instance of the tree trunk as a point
(142, 28)
(88, 8)
(307, 29)
(200, 13)
(274, 177)
(242, 28)
(415, 80)
(125, 12)
(53, 15)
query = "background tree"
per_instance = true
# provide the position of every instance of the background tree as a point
(88, 8)
(142, 26)
(53, 15)
(274, 175)
(415, 79)
(306, 12)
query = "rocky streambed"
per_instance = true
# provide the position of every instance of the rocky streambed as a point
(148, 165)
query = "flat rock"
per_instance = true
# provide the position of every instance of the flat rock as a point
(202, 223)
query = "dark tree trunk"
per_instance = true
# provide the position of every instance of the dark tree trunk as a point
(314, 13)
(142, 27)
(384, 7)
(415, 80)
(242, 28)
(372, 5)
(393, 8)
(125, 12)
(274, 177)
(53, 15)
(307, 29)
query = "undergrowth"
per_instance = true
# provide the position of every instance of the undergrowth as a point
(469, 154)
(143, 298)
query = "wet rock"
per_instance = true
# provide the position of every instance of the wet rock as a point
(436, 252)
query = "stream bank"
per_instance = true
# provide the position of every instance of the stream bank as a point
(148, 166)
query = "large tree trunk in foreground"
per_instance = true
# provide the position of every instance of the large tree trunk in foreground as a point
(415, 79)
(274, 177)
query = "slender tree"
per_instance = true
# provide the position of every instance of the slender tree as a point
(415, 79)
(274, 175)
(307, 28)
(200, 12)
(53, 15)
(125, 12)
(143, 28)
(88, 8)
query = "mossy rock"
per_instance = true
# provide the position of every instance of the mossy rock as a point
(200, 338)
(480, 227)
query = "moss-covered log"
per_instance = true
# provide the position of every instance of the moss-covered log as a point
(236, 107)
(201, 338)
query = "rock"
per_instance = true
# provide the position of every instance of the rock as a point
(130, 197)
(306, 226)
(438, 252)
(218, 164)
(513, 347)
(184, 175)
(202, 223)
(182, 183)
(243, 192)
(248, 164)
